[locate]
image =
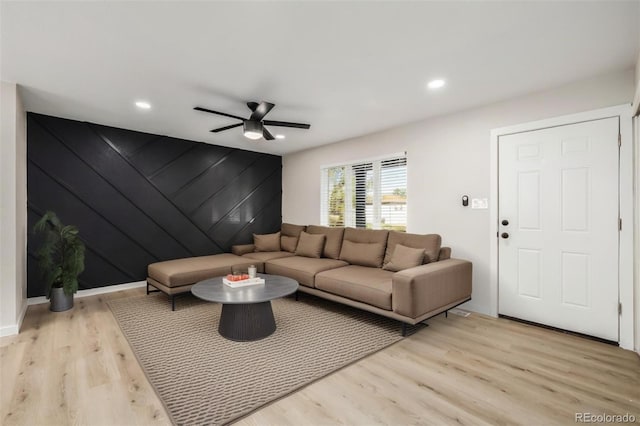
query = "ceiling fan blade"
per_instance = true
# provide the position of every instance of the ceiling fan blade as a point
(287, 124)
(267, 134)
(252, 105)
(261, 110)
(218, 112)
(226, 128)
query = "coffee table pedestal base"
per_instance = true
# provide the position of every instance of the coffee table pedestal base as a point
(247, 322)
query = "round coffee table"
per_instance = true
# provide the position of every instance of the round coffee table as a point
(246, 311)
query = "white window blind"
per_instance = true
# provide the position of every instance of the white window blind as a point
(368, 194)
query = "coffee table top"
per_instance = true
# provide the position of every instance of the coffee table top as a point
(214, 290)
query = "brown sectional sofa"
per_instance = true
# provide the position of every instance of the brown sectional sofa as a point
(350, 267)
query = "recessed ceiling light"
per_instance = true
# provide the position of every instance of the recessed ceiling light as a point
(435, 84)
(280, 136)
(143, 105)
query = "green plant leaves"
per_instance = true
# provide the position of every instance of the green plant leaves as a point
(61, 256)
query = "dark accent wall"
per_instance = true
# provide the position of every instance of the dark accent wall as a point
(139, 198)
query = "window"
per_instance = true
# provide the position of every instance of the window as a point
(368, 194)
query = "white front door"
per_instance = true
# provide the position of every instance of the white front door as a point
(558, 226)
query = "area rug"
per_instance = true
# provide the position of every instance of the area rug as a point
(203, 378)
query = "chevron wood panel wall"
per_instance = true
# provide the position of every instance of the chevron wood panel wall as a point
(138, 198)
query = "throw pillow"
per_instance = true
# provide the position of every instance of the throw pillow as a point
(404, 258)
(429, 242)
(363, 254)
(310, 245)
(333, 239)
(267, 242)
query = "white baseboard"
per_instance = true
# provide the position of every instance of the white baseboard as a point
(92, 291)
(10, 330)
(469, 306)
(22, 314)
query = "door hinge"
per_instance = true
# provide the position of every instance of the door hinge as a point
(619, 224)
(619, 140)
(619, 308)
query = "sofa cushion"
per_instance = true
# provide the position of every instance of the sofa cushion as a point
(263, 256)
(267, 242)
(288, 243)
(301, 269)
(364, 254)
(363, 235)
(429, 242)
(310, 245)
(404, 258)
(333, 243)
(361, 283)
(291, 230)
(289, 236)
(368, 249)
(178, 272)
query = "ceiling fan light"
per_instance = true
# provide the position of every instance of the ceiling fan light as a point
(252, 130)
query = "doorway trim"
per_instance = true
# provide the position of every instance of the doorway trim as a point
(625, 260)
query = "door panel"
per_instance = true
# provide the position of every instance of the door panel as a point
(558, 188)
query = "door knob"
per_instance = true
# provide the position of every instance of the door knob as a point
(504, 235)
(505, 222)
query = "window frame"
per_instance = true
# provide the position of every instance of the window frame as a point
(349, 219)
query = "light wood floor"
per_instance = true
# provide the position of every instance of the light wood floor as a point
(77, 368)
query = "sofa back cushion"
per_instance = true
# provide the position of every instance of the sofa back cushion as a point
(363, 254)
(267, 242)
(404, 258)
(333, 241)
(289, 235)
(364, 247)
(429, 242)
(310, 245)
(362, 235)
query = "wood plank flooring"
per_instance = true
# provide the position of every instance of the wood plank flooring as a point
(76, 367)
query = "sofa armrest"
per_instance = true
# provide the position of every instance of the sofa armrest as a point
(425, 288)
(241, 249)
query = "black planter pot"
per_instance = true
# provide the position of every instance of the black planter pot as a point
(59, 301)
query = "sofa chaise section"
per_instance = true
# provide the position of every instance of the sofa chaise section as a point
(177, 276)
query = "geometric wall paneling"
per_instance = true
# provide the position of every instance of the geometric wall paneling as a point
(139, 198)
(252, 212)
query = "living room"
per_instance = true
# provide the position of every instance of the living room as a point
(99, 126)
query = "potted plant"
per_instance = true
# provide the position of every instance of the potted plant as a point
(61, 260)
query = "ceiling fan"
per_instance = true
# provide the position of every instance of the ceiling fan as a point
(253, 127)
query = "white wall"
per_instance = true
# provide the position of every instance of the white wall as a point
(448, 157)
(636, 125)
(13, 209)
(636, 130)
(636, 99)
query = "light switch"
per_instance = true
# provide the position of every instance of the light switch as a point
(480, 203)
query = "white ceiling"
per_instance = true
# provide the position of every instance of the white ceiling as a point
(348, 68)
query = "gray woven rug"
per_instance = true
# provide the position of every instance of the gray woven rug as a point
(203, 378)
